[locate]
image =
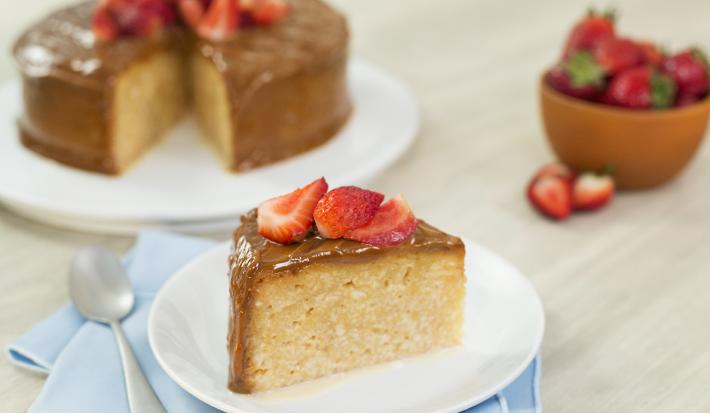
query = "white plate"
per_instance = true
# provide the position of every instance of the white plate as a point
(504, 324)
(182, 181)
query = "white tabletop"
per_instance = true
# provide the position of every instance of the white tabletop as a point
(625, 290)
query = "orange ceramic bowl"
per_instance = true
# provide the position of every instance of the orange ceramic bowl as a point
(644, 148)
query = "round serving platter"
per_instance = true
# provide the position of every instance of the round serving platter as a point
(181, 185)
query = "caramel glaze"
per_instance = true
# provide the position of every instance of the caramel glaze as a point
(254, 258)
(68, 81)
(298, 65)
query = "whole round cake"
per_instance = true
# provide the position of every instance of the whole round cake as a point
(104, 82)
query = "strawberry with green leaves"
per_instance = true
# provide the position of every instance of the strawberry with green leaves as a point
(580, 76)
(617, 54)
(689, 70)
(641, 88)
(589, 32)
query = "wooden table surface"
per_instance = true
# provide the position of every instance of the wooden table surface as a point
(625, 290)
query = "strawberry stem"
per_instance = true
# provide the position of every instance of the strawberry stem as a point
(583, 70)
(663, 91)
(609, 13)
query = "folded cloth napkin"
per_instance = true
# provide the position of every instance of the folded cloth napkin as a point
(84, 367)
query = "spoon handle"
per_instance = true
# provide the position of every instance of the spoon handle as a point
(141, 397)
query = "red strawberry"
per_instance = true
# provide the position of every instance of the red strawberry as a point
(580, 76)
(652, 55)
(102, 24)
(616, 54)
(344, 209)
(592, 191)
(689, 70)
(132, 18)
(641, 88)
(588, 33)
(557, 169)
(266, 12)
(393, 223)
(289, 217)
(551, 195)
(221, 20)
(192, 11)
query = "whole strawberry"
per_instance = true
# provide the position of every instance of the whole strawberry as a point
(689, 70)
(579, 76)
(589, 32)
(641, 88)
(616, 54)
(652, 54)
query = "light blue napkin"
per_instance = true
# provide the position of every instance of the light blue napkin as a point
(84, 368)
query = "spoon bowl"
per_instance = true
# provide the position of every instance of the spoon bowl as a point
(99, 285)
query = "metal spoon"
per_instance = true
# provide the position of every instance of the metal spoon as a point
(101, 291)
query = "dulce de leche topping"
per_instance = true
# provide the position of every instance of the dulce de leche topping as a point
(255, 258)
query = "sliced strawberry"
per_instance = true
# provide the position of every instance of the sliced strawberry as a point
(267, 12)
(192, 11)
(592, 191)
(393, 223)
(551, 195)
(246, 5)
(344, 209)
(102, 24)
(142, 18)
(289, 217)
(221, 20)
(557, 169)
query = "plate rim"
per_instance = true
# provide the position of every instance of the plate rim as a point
(461, 406)
(407, 138)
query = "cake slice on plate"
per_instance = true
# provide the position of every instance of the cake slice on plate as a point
(368, 284)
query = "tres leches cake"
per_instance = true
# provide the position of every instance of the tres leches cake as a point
(104, 81)
(368, 284)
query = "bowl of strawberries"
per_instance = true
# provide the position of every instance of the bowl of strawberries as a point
(620, 104)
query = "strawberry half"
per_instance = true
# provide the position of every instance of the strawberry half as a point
(393, 223)
(221, 20)
(102, 24)
(192, 11)
(115, 18)
(551, 195)
(344, 209)
(592, 191)
(289, 217)
(557, 169)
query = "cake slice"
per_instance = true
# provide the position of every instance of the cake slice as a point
(319, 306)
